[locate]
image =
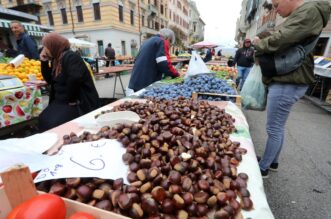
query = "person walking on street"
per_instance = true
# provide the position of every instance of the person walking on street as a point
(153, 60)
(25, 44)
(110, 54)
(244, 59)
(285, 90)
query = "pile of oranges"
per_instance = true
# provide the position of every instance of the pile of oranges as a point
(28, 67)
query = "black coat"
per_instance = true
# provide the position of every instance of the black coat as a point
(73, 85)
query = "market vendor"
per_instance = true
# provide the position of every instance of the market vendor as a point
(153, 61)
(25, 44)
(72, 89)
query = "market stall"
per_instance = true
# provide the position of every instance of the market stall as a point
(161, 155)
(248, 164)
(19, 102)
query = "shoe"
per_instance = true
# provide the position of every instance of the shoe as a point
(264, 173)
(273, 166)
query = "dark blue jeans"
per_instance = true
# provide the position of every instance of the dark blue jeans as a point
(281, 97)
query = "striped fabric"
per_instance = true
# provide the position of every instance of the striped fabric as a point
(32, 29)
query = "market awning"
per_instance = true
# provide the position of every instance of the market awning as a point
(32, 29)
(35, 33)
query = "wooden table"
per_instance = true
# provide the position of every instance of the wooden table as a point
(117, 70)
(177, 60)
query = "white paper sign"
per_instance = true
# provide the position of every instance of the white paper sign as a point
(102, 159)
(33, 160)
(38, 143)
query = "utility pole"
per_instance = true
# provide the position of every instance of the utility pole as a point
(72, 19)
(139, 24)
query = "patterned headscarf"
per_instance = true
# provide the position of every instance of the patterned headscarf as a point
(56, 44)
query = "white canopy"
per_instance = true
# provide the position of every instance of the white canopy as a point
(81, 43)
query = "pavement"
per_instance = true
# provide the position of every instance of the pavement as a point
(301, 189)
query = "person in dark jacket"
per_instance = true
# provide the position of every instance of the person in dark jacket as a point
(244, 59)
(25, 44)
(304, 20)
(208, 56)
(72, 91)
(110, 54)
(153, 60)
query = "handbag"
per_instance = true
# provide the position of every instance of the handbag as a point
(285, 62)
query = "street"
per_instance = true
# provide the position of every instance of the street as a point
(301, 189)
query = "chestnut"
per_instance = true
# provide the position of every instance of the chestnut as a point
(84, 192)
(158, 193)
(201, 197)
(168, 206)
(136, 212)
(150, 206)
(124, 201)
(104, 204)
(221, 214)
(175, 177)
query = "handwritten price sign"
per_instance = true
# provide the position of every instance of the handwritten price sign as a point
(102, 159)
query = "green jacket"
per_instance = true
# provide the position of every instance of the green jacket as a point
(305, 22)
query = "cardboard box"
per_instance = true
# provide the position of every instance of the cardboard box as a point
(328, 97)
(23, 189)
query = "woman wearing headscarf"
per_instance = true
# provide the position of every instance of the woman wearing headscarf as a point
(72, 92)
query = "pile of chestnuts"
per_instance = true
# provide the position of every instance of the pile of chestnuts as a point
(182, 164)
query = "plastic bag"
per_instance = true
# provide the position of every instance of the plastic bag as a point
(196, 66)
(253, 93)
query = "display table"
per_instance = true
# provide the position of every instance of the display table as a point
(217, 62)
(177, 60)
(19, 105)
(117, 70)
(248, 165)
(322, 74)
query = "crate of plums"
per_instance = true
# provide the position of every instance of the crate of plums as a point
(182, 164)
(205, 85)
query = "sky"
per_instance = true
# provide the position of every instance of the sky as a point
(220, 17)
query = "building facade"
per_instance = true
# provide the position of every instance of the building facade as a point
(154, 16)
(196, 24)
(258, 17)
(179, 19)
(98, 21)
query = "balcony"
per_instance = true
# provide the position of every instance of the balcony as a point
(28, 6)
(142, 5)
(152, 10)
(133, 2)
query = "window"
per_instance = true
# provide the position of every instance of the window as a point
(120, 13)
(96, 8)
(123, 48)
(64, 16)
(20, 2)
(80, 17)
(50, 18)
(162, 9)
(132, 17)
(100, 48)
(157, 26)
(142, 20)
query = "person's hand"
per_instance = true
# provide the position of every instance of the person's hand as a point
(256, 40)
(43, 56)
